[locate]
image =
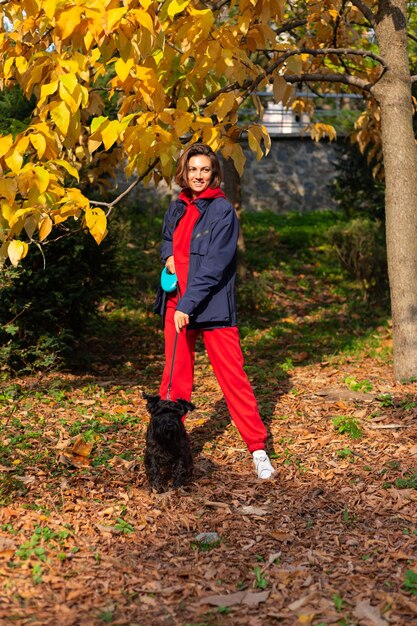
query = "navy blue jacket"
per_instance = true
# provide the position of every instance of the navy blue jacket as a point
(209, 298)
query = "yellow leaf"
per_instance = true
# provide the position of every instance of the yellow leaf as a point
(14, 161)
(38, 141)
(176, 6)
(8, 188)
(69, 81)
(113, 17)
(96, 222)
(110, 133)
(5, 144)
(50, 8)
(266, 138)
(144, 19)
(123, 69)
(97, 122)
(93, 144)
(183, 123)
(47, 90)
(21, 65)
(45, 227)
(30, 226)
(69, 20)
(212, 137)
(239, 158)
(61, 116)
(254, 144)
(279, 88)
(18, 214)
(70, 168)
(41, 178)
(17, 251)
(295, 64)
(222, 105)
(68, 99)
(75, 197)
(7, 68)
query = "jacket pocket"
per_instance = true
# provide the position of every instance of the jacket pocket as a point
(200, 241)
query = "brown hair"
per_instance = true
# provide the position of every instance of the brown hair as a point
(181, 176)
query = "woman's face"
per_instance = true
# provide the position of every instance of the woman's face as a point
(199, 173)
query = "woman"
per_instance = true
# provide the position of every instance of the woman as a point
(200, 235)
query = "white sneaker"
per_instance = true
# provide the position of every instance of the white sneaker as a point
(263, 464)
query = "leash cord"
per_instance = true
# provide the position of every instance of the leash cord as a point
(173, 354)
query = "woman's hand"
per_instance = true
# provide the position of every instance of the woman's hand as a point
(180, 320)
(170, 265)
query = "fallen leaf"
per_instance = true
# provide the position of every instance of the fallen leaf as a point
(252, 510)
(364, 610)
(248, 598)
(294, 606)
(281, 536)
(82, 447)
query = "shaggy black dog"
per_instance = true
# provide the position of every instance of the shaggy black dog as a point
(168, 452)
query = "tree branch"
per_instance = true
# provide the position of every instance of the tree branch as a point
(414, 78)
(365, 10)
(327, 51)
(172, 45)
(110, 205)
(290, 25)
(345, 79)
(250, 85)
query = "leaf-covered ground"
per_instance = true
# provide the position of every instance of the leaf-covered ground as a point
(331, 540)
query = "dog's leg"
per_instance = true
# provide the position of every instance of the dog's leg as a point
(154, 475)
(183, 470)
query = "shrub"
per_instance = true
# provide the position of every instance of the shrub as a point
(360, 247)
(46, 305)
(354, 187)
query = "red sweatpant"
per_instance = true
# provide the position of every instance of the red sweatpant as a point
(225, 354)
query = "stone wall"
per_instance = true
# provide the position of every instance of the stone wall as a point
(295, 176)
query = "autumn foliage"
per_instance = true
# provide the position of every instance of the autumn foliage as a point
(175, 72)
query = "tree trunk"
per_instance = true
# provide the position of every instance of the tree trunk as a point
(393, 93)
(233, 191)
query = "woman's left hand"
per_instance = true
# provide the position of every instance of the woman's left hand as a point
(180, 320)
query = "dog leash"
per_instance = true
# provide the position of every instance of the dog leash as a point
(173, 354)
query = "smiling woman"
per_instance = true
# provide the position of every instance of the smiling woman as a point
(199, 174)
(199, 244)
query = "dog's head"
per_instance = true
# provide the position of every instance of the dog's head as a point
(157, 407)
(166, 425)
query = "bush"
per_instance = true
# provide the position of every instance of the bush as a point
(45, 309)
(357, 192)
(360, 247)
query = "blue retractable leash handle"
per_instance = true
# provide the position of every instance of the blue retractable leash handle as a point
(169, 283)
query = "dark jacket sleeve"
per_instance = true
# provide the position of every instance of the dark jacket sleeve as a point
(167, 233)
(222, 249)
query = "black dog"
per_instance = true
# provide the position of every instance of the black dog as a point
(168, 452)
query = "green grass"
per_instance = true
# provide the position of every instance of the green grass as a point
(347, 425)
(296, 307)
